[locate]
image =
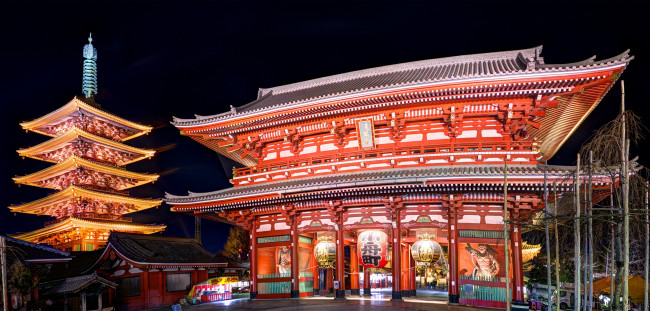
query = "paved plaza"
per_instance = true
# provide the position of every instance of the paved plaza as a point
(325, 303)
(429, 300)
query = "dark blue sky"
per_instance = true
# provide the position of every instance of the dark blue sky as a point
(164, 59)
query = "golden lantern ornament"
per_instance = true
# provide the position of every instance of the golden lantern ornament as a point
(325, 252)
(426, 251)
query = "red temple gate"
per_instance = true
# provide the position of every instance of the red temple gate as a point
(403, 149)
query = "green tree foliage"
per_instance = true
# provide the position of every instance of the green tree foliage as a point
(538, 272)
(19, 281)
(238, 244)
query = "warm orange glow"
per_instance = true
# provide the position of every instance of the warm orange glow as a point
(74, 223)
(77, 104)
(41, 206)
(74, 133)
(74, 162)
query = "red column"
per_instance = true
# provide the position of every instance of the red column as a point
(295, 272)
(329, 284)
(397, 253)
(366, 282)
(517, 265)
(354, 270)
(405, 282)
(145, 284)
(452, 287)
(315, 270)
(253, 260)
(412, 273)
(340, 261)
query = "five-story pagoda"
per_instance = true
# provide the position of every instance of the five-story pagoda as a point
(89, 175)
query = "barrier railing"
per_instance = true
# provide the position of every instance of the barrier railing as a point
(303, 163)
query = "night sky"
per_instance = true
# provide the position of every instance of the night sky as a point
(163, 59)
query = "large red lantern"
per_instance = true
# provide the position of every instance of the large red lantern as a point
(325, 252)
(426, 251)
(373, 248)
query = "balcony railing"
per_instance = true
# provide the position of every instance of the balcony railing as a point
(382, 158)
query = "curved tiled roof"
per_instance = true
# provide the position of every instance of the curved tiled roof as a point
(102, 224)
(372, 178)
(158, 249)
(78, 283)
(77, 104)
(412, 73)
(39, 206)
(30, 252)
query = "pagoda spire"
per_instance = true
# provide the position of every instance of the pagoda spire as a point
(89, 85)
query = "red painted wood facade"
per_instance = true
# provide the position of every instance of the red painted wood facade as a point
(406, 149)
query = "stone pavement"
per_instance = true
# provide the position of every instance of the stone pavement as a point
(317, 303)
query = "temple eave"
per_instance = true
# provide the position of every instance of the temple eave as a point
(78, 192)
(74, 162)
(72, 223)
(78, 104)
(76, 133)
(262, 111)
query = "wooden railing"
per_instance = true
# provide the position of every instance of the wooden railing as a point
(388, 157)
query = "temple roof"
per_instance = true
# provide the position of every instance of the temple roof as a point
(77, 104)
(476, 66)
(40, 206)
(73, 135)
(448, 176)
(35, 253)
(72, 223)
(75, 284)
(74, 162)
(161, 250)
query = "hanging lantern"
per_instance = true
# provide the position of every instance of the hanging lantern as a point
(325, 252)
(373, 248)
(426, 251)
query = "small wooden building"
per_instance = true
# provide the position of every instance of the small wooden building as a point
(148, 270)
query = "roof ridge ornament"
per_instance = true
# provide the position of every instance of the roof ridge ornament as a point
(89, 82)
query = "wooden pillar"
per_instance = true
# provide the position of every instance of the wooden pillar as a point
(329, 281)
(161, 288)
(366, 281)
(82, 299)
(253, 259)
(340, 260)
(397, 253)
(405, 282)
(354, 271)
(295, 271)
(412, 273)
(452, 287)
(145, 283)
(316, 275)
(517, 265)
(99, 300)
(111, 293)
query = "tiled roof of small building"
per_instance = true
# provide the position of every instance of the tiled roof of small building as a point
(412, 73)
(80, 263)
(30, 252)
(78, 283)
(160, 249)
